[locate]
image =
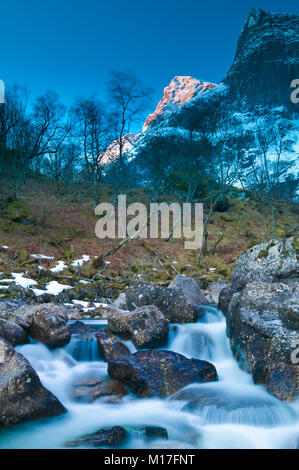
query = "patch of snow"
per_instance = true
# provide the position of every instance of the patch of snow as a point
(55, 288)
(60, 267)
(79, 262)
(39, 292)
(22, 281)
(5, 247)
(42, 257)
(81, 302)
(4, 287)
(84, 282)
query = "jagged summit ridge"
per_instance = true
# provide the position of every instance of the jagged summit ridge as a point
(180, 90)
(266, 59)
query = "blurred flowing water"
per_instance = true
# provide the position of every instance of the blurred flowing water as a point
(230, 413)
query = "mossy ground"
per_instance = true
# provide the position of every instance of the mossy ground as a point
(65, 224)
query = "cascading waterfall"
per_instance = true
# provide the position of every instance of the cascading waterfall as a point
(230, 413)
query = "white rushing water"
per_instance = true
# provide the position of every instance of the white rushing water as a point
(230, 413)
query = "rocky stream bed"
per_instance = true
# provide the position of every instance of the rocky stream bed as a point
(160, 367)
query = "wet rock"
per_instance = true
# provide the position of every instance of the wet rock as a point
(22, 396)
(159, 373)
(79, 327)
(174, 305)
(93, 388)
(155, 432)
(47, 323)
(264, 338)
(214, 290)
(146, 326)
(190, 288)
(108, 437)
(110, 347)
(13, 333)
(227, 293)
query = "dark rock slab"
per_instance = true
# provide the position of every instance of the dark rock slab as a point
(159, 373)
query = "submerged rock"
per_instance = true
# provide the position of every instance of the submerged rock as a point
(110, 347)
(108, 437)
(13, 333)
(22, 396)
(146, 326)
(190, 288)
(155, 432)
(93, 388)
(159, 373)
(47, 323)
(174, 305)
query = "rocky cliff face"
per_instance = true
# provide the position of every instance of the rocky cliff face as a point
(266, 60)
(261, 308)
(257, 87)
(180, 90)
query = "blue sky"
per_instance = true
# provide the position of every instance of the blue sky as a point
(70, 45)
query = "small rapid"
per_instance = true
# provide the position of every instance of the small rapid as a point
(230, 413)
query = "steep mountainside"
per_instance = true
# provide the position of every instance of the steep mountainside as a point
(256, 90)
(266, 60)
(180, 90)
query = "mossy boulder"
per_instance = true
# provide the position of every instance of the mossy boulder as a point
(18, 211)
(222, 204)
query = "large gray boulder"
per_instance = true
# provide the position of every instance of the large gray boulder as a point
(272, 261)
(146, 326)
(190, 288)
(263, 327)
(174, 305)
(159, 373)
(268, 262)
(22, 396)
(47, 323)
